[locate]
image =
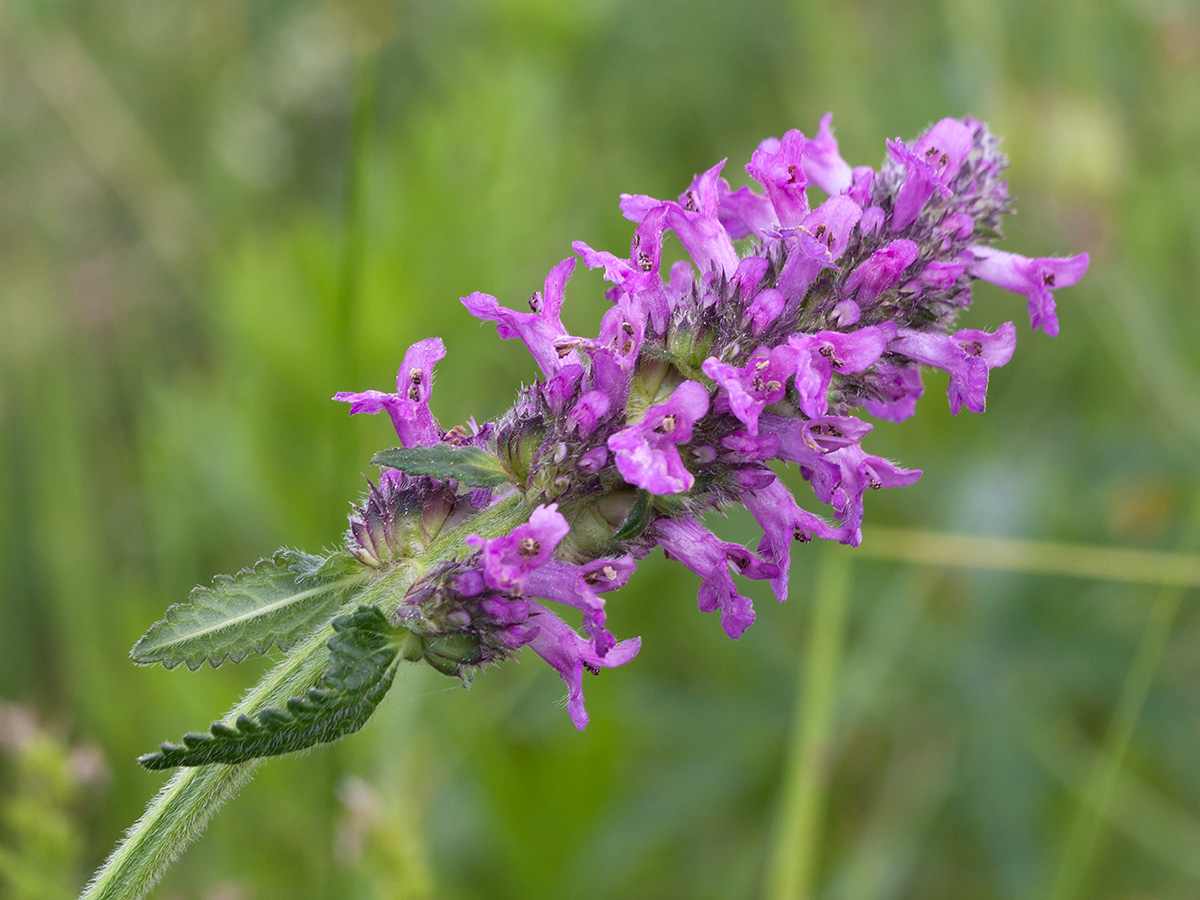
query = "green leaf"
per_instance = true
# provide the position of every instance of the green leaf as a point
(363, 658)
(469, 466)
(274, 604)
(637, 520)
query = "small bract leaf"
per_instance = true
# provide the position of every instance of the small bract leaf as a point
(273, 604)
(637, 520)
(363, 658)
(469, 466)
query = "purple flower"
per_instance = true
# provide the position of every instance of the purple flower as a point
(646, 454)
(818, 244)
(782, 522)
(765, 309)
(819, 355)
(967, 355)
(778, 166)
(741, 447)
(929, 167)
(569, 654)
(881, 272)
(580, 586)
(761, 382)
(507, 561)
(823, 164)
(638, 277)
(590, 409)
(709, 557)
(695, 221)
(943, 274)
(844, 477)
(749, 275)
(1032, 277)
(615, 353)
(561, 388)
(743, 213)
(898, 388)
(829, 452)
(409, 406)
(541, 328)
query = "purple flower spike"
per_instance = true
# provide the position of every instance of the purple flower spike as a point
(1032, 277)
(967, 355)
(828, 312)
(569, 654)
(819, 355)
(409, 406)
(928, 168)
(782, 522)
(779, 167)
(646, 454)
(539, 329)
(709, 557)
(823, 164)
(760, 383)
(507, 561)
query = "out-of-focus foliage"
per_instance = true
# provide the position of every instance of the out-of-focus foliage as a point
(195, 259)
(47, 784)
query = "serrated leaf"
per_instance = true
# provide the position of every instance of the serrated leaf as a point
(469, 466)
(273, 604)
(363, 658)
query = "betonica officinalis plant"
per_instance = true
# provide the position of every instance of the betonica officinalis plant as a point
(788, 324)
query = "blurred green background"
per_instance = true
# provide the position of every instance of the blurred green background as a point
(215, 215)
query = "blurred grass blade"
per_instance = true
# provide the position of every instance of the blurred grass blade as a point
(1082, 839)
(791, 868)
(1121, 564)
(1158, 822)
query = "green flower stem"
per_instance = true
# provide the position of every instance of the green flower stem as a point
(181, 810)
(792, 867)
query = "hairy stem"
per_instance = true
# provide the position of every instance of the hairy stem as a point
(181, 810)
